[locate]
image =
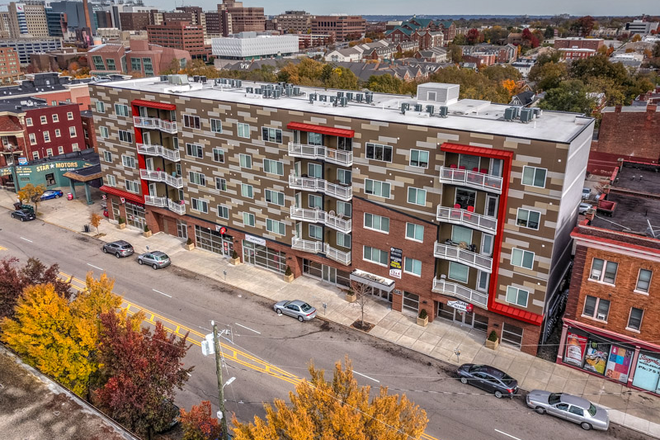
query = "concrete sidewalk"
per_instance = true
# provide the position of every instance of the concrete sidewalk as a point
(439, 340)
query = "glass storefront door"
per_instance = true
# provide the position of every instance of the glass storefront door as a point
(264, 257)
(410, 303)
(135, 215)
(329, 274)
(213, 241)
(182, 229)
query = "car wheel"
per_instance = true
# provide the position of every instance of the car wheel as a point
(464, 380)
(498, 394)
(155, 266)
(118, 255)
(539, 410)
(140, 262)
(301, 319)
(585, 426)
(22, 219)
(279, 312)
(105, 251)
(13, 216)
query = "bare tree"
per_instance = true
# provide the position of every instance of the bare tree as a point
(363, 293)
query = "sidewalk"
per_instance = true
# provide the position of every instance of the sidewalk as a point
(439, 340)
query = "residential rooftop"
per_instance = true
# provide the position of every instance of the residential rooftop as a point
(464, 115)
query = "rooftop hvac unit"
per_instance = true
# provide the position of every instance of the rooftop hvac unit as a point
(257, 91)
(418, 107)
(323, 98)
(333, 98)
(315, 96)
(343, 101)
(369, 98)
(249, 90)
(359, 97)
(516, 112)
(278, 94)
(311, 99)
(444, 111)
(430, 109)
(296, 91)
(289, 91)
(404, 108)
(239, 83)
(202, 79)
(509, 114)
(349, 96)
(537, 112)
(195, 78)
(526, 115)
(340, 94)
(268, 93)
(163, 77)
(223, 80)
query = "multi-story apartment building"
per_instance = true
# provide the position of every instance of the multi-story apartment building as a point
(339, 26)
(25, 46)
(180, 35)
(610, 326)
(293, 21)
(27, 19)
(467, 215)
(10, 68)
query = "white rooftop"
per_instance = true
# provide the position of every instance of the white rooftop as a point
(464, 115)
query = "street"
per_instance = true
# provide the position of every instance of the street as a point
(455, 411)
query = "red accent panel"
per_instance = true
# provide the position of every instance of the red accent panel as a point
(152, 104)
(612, 335)
(330, 131)
(478, 151)
(520, 315)
(138, 140)
(119, 193)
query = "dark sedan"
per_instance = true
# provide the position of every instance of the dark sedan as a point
(51, 194)
(23, 215)
(488, 379)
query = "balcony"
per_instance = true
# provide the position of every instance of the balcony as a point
(314, 184)
(311, 246)
(472, 179)
(158, 202)
(159, 150)
(155, 124)
(448, 288)
(176, 207)
(319, 216)
(464, 217)
(463, 256)
(339, 157)
(162, 176)
(337, 255)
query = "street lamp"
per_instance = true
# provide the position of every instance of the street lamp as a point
(230, 380)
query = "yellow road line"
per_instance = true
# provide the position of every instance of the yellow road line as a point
(2, 248)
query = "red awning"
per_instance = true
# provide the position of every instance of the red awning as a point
(125, 194)
(330, 131)
(152, 104)
(521, 315)
(475, 151)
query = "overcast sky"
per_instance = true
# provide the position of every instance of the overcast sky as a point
(439, 7)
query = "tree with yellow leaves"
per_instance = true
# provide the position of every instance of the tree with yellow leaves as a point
(322, 410)
(31, 194)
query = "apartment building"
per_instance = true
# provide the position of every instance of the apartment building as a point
(293, 21)
(236, 18)
(10, 68)
(27, 19)
(339, 26)
(180, 35)
(140, 57)
(451, 206)
(25, 46)
(610, 327)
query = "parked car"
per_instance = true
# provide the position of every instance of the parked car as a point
(23, 214)
(155, 259)
(488, 379)
(118, 248)
(586, 193)
(298, 309)
(51, 194)
(572, 408)
(583, 208)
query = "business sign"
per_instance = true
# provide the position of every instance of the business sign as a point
(255, 240)
(460, 306)
(576, 346)
(396, 256)
(647, 374)
(22, 161)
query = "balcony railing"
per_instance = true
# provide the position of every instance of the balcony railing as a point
(314, 184)
(320, 216)
(311, 246)
(155, 124)
(464, 217)
(339, 157)
(159, 202)
(161, 176)
(159, 150)
(453, 289)
(176, 207)
(473, 179)
(464, 256)
(337, 255)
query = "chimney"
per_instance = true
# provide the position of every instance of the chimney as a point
(617, 108)
(88, 21)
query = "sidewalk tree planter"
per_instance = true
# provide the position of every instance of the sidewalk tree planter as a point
(122, 223)
(288, 275)
(423, 318)
(189, 245)
(235, 260)
(351, 296)
(493, 341)
(147, 231)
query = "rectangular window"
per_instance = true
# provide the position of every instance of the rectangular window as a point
(275, 227)
(128, 161)
(33, 139)
(271, 134)
(245, 161)
(111, 64)
(121, 110)
(107, 156)
(596, 308)
(136, 65)
(273, 167)
(216, 125)
(190, 121)
(343, 240)
(315, 170)
(314, 138)
(195, 150)
(414, 232)
(274, 197)
(200, 205)
(223, 212)
(111, 180)
(379, 152)
(247, 191)
(72, 132)
(100, 107)
(417, 196)
(375, 255)
(104, 132)
(635, 319)
(344, 176)
(517, 296)
(315, 201)
(49, 152)
(74, 147)
(60, 150)
(69, 116)
(197, 178)
(316, 231)
(248, 219)
(28, 122)
(377, 188)
(148, 67)
(606, 276)
(46, 136)
(534, 176)
(35, 155)
(643, 281)
(220, 184)
(125, 136)
(419, 158)
(56, 118)
(58, 133)
(412, 266)
(218, 155)
(458, 272)
(345, 209)
(132, 186)
(43, 120)
(528, 219)
(376, 222)
(243, 130)
(522, 258)
(98, 62)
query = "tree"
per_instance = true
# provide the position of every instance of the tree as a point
(455, 53)
(529, 39)
(31, 194)
(548, 76)
(362, 294)
(327, 410)
(384, 84)
(569, 96)
(474, 36)
(636, 38)
(549, 33)
(583, 25)
(95, 220)
(198, 424)
(459, 40)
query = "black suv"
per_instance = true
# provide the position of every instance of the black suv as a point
(23, 214)
(119, 248)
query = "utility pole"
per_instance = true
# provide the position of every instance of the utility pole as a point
(218, 367)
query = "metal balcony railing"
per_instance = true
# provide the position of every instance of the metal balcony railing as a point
(463, 256)
(320, 216)
(464, 217)
(176, 207)
(155, 124)
(337, 255)
(473, 179)
(339, 157)
(311, 246)
(159, 202)
(314, 184)
(453, 289)
(162, 176)
(159, 150)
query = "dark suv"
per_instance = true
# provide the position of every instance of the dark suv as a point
(489, 379)
(119, 248)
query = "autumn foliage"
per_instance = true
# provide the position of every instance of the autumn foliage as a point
(199, 424)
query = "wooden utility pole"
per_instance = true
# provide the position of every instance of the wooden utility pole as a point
(218, 368)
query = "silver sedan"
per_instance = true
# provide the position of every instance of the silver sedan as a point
(297, 309)
(572, 408)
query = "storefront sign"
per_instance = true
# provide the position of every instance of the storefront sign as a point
(575, 348)
(396, 256)
(618, 364)
(647, 373)
(596, 357)
(459, 305)
(5, 171)
(255, 240)
(22, 161)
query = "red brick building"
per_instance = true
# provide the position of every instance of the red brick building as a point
(235, 18)
(10, 68)
(579, 43)
(180, 35)
(610, 325)
(570, 54)
(141, 57)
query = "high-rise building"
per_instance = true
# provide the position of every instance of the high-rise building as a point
(75, 13)
(294, 21)
(28, 19)
(339, 26)
(135, 21)
(5, 25)
(57, 23)
(180, 35)
(240, 18)
(213, 27)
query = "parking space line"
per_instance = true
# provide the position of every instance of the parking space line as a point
(23, 238)
(165, 294)
(248, 328)
(508, 435)
(95, 267)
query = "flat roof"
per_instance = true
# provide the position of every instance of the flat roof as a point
(464, 115)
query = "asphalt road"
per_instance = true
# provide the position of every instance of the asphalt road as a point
(455, 411)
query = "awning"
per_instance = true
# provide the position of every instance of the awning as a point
(615, 337)
(476, 151)
(330, 131)
(519, 314)
(125, 194)
(375, 281)
(152, 104)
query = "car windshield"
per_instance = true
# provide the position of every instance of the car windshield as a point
(306, 307)
(592, 410)
(554, 398)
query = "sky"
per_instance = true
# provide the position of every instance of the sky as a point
(439, 7)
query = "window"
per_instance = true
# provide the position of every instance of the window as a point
(635, 319)
(190, 121)
(69, 116)
(534, 176)
(46, 136)
(273, 167)
(377, 188)
(315, 170)
(315, 201)
(517, 296)
(643, 281)
(72, 131)
(35, 155)
(376, 222)
(125, 136)
(56, 118)
(195, 150)
(197, 178)
(49, 152)
(128, 161)
(274, 197)
(60, 150)
(379, 152)
(412, 266)
(271, 134)
(414, 232)
(223, 212)
(132, 186)
(344, 176)
(218, 155)
(111, 64)
(220, 184)
(247, 190)
(458, 272)
(375, 255)
(248, 219)
(314, 138)
(136, 65)
(243, 130)
(104, 132)
(28, 122)
(74, 147)
(100, 106)
(58, 133)
(200, 205)
(596, 308)
(216, 125)
(111, 180)
(343, 240)
(419, 158)
(528, 219)
(121, 110)
(33, 138)
(316, 231)
(522, 258)
(345, 209)
(245, 161)
(606, 276)
(148, 67)
(43, 120)
(107, 156)
(275, 227)
(417, 196)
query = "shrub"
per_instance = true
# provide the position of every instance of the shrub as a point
(423, 314)
(492, 336)
(121, 220)
(189, 242)
(288, 271)
(146, 228)
(234, 254)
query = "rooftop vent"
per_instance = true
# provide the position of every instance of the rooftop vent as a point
(526, 115)
(444, 111)
(509, 114)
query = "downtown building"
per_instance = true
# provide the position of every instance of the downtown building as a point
(457, 207)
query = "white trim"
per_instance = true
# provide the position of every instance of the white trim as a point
(622, 250)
